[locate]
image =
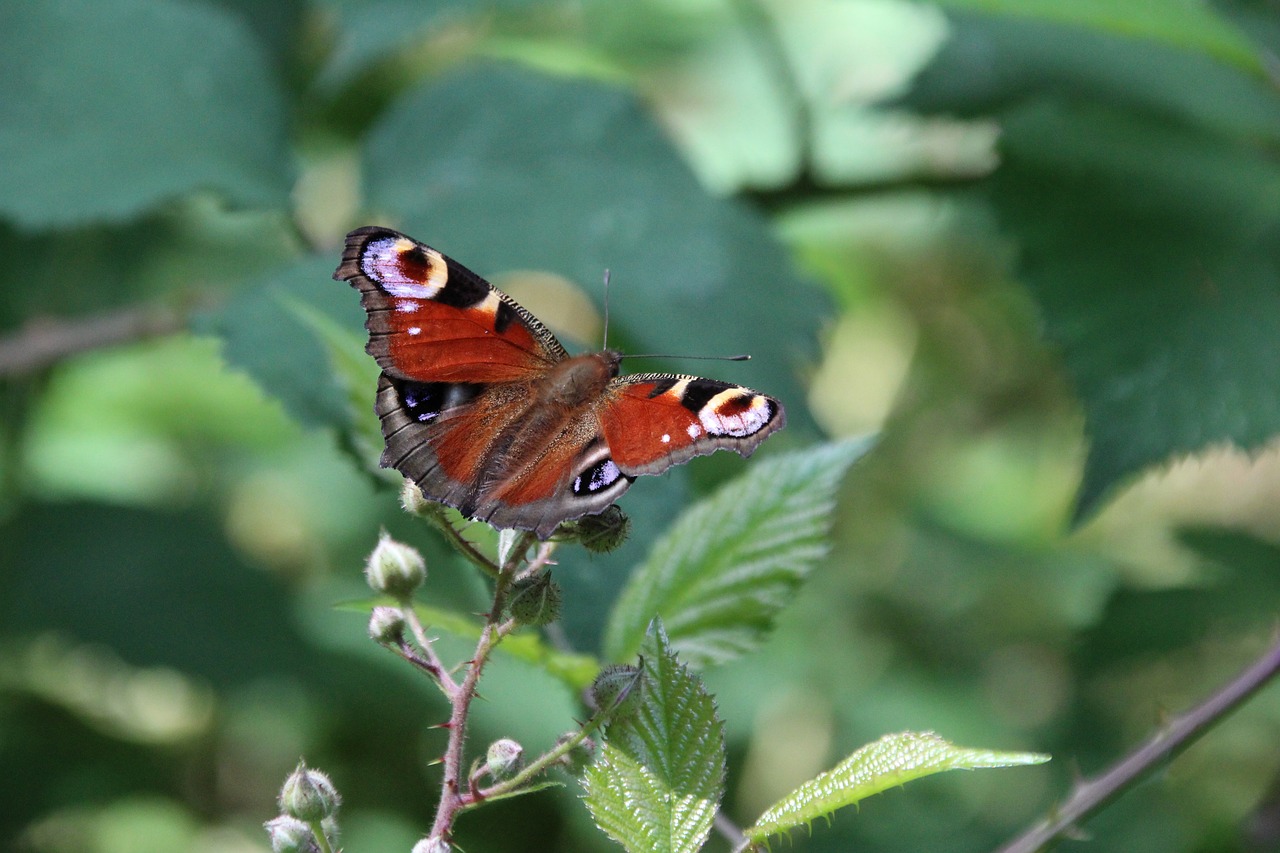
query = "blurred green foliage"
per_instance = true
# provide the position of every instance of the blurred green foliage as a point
(1035, 242)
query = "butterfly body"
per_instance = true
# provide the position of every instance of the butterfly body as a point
(485, 411)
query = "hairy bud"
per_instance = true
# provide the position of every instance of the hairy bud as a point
(395, 569)
(617, 689)
(503, 757)
(309, 795)
(600, 533)
(386, 626)
(290, 835)
(534, 601)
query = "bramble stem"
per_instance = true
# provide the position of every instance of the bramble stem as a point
(1182, 731)
(454, 797)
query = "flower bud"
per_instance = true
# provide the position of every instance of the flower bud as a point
(413, 502)
(617, 689)
(386, 625)
(308, 795)
(580, 756)
(534, 601)
(600, 533)
(434, 844)
(503, 757)
(395, 569)
(290, 835)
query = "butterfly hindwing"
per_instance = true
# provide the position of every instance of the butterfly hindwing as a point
(474, 453)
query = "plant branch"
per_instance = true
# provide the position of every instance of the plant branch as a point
(44, 342)
(1182, 731)
(428, 661)
(544, 761)
(452, 797)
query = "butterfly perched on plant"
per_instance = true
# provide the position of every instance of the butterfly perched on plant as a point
(485, 411)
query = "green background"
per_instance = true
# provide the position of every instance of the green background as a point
(1034, 243)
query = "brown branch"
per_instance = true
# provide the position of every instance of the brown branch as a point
(1092, 794)
(44, 342)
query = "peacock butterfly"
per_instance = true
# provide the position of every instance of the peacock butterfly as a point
(485, 411)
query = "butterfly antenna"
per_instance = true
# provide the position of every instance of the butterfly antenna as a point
(605, 344)
(743, 357)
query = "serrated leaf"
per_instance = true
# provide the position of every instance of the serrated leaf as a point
(887, 763)
(658, 779)
(111, 108)
(731, 562)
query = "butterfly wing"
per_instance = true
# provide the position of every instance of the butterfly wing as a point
(430, 319)
(459, 359)
(484, 410)
(652, 421)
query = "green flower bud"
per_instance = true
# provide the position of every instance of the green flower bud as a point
(386, 626)
(534, 601)
(503, 757)
(395, 569)
(617, 689)
(600, 533)
(580, 756)
(412, 502)
(290, 835)
(308, 795)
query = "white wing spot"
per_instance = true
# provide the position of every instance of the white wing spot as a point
(694, 430)
(414, 330)
(381, 262)
(740, 424)
(666, 439)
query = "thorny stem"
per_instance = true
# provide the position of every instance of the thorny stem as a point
(453, 797)
(1182, 731)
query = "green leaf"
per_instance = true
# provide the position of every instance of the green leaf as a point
(504, 169)
(264, 334)
(887, 763)
(995, 62)
(732, 561)
(356, 374)
(111, 108)
(1190, 24)
(658, 779)
(1154, 252)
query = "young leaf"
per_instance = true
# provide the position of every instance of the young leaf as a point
(891, 761)
(658, 779)
(734, 560)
